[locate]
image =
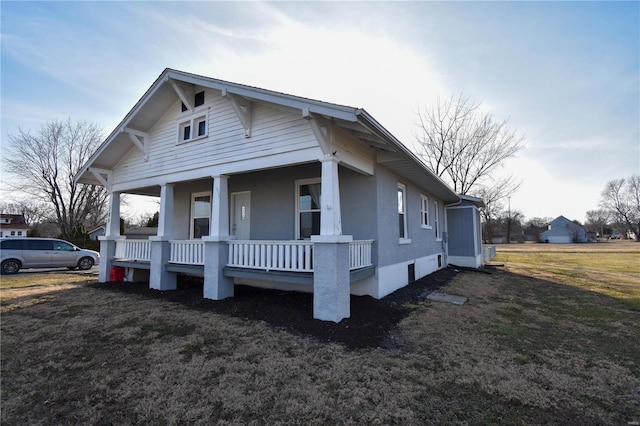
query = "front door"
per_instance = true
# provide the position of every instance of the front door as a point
(241, 215)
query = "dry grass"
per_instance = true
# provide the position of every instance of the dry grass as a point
(521, 351)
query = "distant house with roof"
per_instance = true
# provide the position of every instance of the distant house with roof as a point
(13, 225)
(564, 231)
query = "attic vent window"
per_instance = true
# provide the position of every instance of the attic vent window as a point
(198, 100)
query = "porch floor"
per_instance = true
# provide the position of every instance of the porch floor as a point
(247, 273)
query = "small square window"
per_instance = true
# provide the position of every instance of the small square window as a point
(199, 99)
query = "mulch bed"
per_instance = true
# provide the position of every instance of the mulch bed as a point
(372, 322)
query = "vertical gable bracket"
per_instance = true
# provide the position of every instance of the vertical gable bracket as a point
(321, 129)
(104, 176)
(181, 94)
(242, 107)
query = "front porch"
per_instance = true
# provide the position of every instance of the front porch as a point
(267, 227)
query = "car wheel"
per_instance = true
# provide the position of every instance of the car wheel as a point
(85, 263)
(10, 266)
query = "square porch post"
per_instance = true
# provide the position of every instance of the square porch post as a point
(216, 250)
(331, 277)
(159, 277)
(108, 241)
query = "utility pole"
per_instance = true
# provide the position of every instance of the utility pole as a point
(509, 222)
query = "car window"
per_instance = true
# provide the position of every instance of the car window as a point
(62, 246)
(38, 244)
(11, 244)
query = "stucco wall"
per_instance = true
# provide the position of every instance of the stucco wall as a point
(273, 201)
(423, 242)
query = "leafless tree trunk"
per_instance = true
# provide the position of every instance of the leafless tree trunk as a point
(597, 220)
(493, 194)
(621, 197)
(43, 167)
(463, 144)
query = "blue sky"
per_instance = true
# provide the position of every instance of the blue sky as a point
(566, 74)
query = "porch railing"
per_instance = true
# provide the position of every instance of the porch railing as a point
(360, 254)
(187, 252)
(488, 252)
(139, 250)
(295, 256)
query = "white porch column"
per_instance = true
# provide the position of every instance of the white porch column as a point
(216, 285)
(331, 276)
(219, 226)
(108, 241)
(159, 277)
(113, 224)
(165, 219)
(330, 215)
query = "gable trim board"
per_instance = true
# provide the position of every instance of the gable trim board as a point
(262, 142)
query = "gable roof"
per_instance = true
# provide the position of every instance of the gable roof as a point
(161, 95)
(13, 221)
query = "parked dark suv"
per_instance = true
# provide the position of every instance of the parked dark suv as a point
(22, 253)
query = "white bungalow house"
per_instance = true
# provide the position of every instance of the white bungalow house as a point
(563, 231)
(267, 189)
(13, 225)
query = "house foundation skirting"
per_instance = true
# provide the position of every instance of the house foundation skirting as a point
(393, 277)
(466, 261)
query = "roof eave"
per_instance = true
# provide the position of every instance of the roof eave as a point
(450, 196)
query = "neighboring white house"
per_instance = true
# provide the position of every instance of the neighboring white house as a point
(267, 189)
(563, 231)
(13, 225)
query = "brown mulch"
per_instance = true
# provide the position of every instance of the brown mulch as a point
(372, 322)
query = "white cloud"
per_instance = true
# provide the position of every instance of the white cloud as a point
(560, 72)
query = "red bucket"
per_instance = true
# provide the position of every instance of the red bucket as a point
(116, 274)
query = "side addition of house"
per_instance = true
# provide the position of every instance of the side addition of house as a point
(267, 189)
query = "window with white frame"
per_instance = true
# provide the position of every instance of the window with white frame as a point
(198, 99)
(402, 212)
(436, 222)
(193, 127)
(308, 202)
(424, 212)
(200, 214)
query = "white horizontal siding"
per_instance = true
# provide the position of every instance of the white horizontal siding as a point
(274, 131)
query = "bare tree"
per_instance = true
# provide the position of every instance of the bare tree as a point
(463, 144)
(535, 226)
(43, 167)
(494, 195)
(597, 220)
(621, 197)
(33, 212)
